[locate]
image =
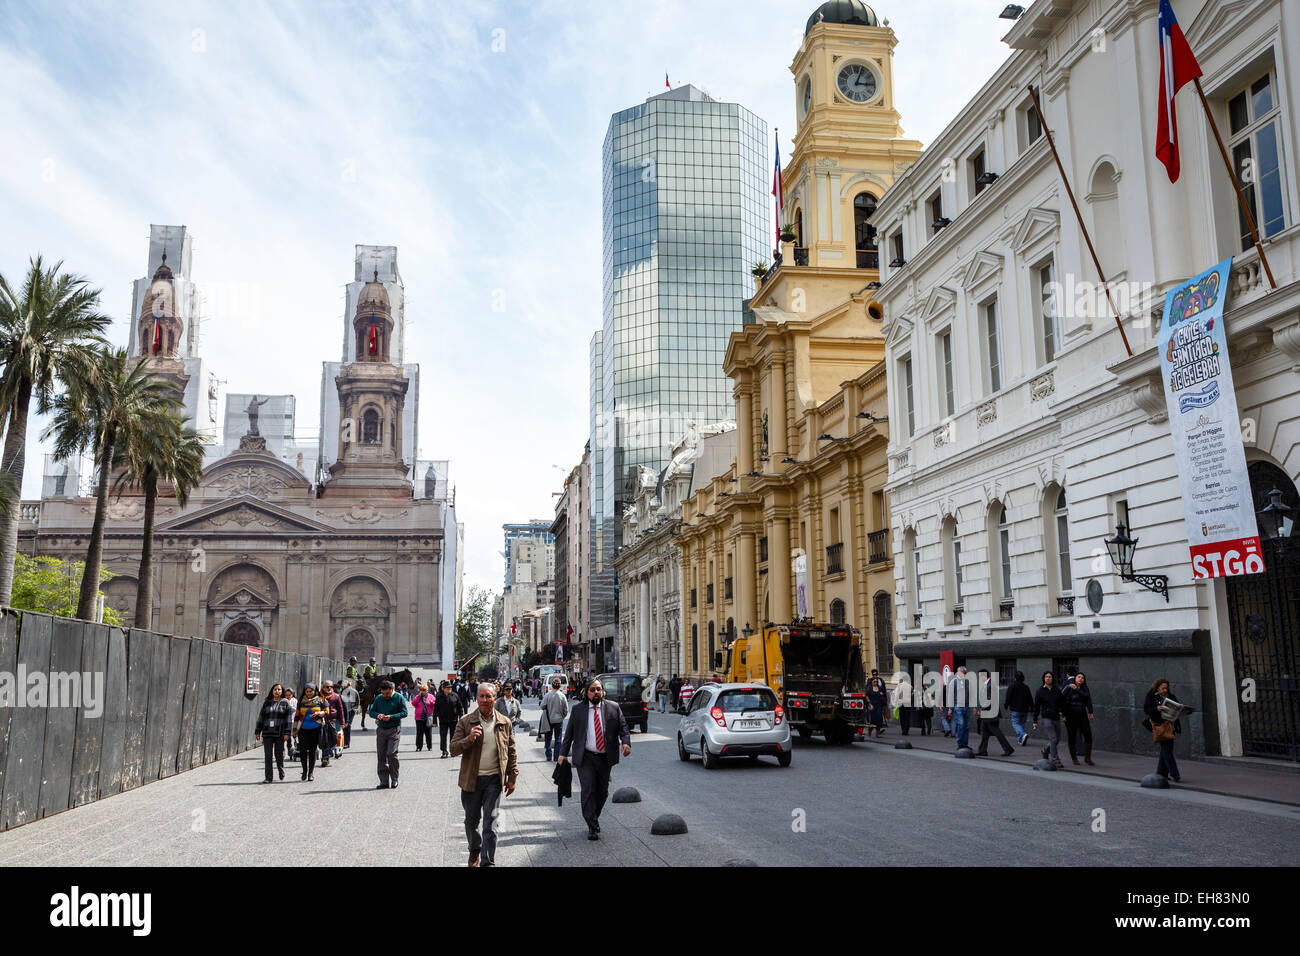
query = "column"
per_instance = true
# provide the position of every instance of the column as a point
(776, 432)
(778, 564)
(644, 622)
(744, 431)
(746, 608)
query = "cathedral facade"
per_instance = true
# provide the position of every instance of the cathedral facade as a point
(354, 556)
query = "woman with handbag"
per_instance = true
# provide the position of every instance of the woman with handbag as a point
(1162, 730)
(273, 725)
(424, 718)
(311, 716)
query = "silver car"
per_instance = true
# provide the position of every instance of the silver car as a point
(734, 720)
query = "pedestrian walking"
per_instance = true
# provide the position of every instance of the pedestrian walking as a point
(960, 710)
(1162, 729)
(1047, 704)
(424, 717)
(310, 716)
(674, 688)
(595, 730)
(508, 706)
(877, 700)
(1019, 702)
(447, 710)
(1077, 703)
(332, 730)
(945, 712)
(389, 710)
(903, 701)
(351, 700)
(274, 723)
(989, 722)
(684, 695)
(485, 743)
(661, 693)
(555, 707)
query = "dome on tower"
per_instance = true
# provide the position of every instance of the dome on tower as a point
(373, 293)
(843, 11)
(163, 271)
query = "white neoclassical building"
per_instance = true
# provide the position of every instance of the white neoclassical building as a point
(1022, 433)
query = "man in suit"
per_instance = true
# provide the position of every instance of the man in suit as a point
(596, 729)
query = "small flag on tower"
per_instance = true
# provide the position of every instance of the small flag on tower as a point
(374, 338)
(666, 83)
(778, 191)
(157, 336)
(1178, 67)
(568, 634)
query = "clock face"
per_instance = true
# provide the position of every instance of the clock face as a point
(857, 82)
(806, 98)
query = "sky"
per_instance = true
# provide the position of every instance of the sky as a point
(466, 134)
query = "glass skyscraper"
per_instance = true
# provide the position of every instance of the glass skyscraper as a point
(687, 182)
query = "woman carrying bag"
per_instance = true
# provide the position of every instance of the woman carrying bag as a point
(424, 718)
(312, 714)
(1162, 730)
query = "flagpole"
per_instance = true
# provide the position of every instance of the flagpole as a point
(1241, 198)
(1042, 121)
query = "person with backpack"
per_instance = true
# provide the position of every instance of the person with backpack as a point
(312, 713)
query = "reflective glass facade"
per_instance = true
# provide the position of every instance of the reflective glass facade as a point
(687, 186)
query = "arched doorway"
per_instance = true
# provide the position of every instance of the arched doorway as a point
(1264, 622)
(864, 234)
(243, 593)
(359, 606)
(242, 632)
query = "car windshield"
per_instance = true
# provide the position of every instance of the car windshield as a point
(622, 685)
(747, 698)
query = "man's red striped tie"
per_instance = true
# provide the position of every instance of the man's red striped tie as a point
(600, 732)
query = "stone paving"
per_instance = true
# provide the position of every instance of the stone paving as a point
(859, 804)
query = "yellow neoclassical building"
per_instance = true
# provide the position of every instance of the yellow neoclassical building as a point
(798, 526)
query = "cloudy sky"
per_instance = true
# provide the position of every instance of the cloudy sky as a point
(467, 134)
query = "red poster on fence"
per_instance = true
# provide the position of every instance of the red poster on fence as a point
(945, 666)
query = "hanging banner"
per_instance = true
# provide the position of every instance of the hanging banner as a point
(799, 564)
(1221, 532)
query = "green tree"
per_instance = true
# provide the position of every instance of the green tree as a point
(50, 329)
(50, 586)
(474, 625)
(101, 413)
(157, 450)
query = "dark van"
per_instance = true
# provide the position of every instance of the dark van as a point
(626, 690)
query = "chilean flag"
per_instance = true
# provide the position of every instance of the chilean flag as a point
(374, 338)
(157, 336)
(568, 634)
(778, 191)
(1178, 67)
(666, 83)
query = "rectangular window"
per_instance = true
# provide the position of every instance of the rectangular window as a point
(1255, 141)
(911, 408)
(1033, 126)
(833, 527)
(1004, 546)
(1121, 514)
(956, 565)
(977, 171)
(991, 354)
(949, 402)
(934, 212)
(1047, 313)
(896, 248)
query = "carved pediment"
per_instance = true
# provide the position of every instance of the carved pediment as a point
(940, 301)
(1220, 21)
(985, 267)
(898, 332)
(242, 514)
(261, 476)
(1037, 224)
(242, 598)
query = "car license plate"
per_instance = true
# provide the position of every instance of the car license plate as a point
(748, 724)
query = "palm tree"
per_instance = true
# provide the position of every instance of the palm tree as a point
(120, 399)
(50, 329)
(164, 450)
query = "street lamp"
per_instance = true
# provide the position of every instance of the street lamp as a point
(748, 631)
(1122, 549)
(1275, 519)
(872, 417)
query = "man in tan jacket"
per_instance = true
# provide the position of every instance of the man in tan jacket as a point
(485, 743)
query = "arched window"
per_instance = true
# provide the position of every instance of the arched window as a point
(370, 431)
(864, 234)
(1063, 542)
(712, 639)
(951, 544)
(798, 228)
(913, 572)
(695, 647)
(837, 611)
(1056, 545)
(1108, 236)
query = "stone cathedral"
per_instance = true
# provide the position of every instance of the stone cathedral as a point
(339, 545)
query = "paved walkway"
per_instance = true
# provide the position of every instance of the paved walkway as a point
(1244, 778)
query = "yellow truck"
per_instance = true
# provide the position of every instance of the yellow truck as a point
(816, 670)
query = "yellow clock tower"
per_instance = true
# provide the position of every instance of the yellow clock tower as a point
(849, 148)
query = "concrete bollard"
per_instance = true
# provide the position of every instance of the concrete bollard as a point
(668, 824)
(626, 795)
(1044, 764)
(1153, 781)
(965, 753)
(902, 745)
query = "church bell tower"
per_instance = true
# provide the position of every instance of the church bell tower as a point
(371, 433)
